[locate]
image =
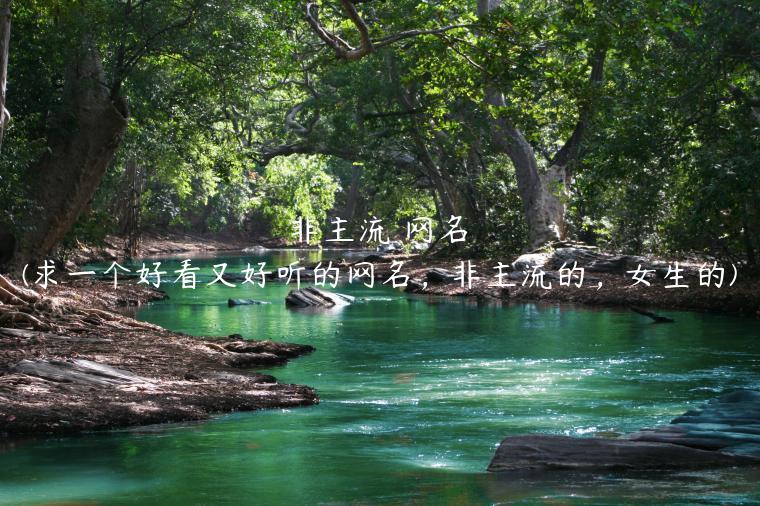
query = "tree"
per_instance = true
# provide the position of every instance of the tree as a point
(89, 121)
(542, 192)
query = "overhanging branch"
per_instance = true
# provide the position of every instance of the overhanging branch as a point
(344, 50)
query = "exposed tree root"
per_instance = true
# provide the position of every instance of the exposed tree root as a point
(26, 309)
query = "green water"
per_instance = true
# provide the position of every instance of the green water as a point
(415, 395)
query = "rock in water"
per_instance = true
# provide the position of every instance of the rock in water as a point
(543, 452)
(729, 424)
(723, 432)
(245, 302)
(314, 297)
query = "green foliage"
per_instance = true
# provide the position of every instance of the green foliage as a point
(669, 163)
(293, 187)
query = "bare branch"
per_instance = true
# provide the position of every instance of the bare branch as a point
(385, 41)
(344, 50)
(292, 123)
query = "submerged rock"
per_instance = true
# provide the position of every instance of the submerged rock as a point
(245, 302)
(314, 297)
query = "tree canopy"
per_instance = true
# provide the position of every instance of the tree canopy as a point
(629, 124)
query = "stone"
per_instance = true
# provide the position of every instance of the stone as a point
(414, 286)
(245, 302)
(437, 275)
(528, 261)
(724, 431)
(314, 297)
(391, 247)
(545, 452)
(419, 246)
(568, 256)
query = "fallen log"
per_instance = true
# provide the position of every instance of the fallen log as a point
(78, 371)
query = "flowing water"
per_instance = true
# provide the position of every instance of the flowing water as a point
(416, 393)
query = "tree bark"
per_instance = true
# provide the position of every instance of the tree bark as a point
(5, 40)
(88, 129)
(541, 194)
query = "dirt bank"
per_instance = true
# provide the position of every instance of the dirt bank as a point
(743, 298)
(154, 244)
(69, 364)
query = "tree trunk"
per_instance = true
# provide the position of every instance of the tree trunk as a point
(5, 40)
(88, 130)
(541, 194)
(353, 196)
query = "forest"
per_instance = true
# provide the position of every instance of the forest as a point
(550, 296)
(632, 125)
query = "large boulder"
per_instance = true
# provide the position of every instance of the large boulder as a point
(528, 261)
(725, 431)
(314, 297)
(544, 452)
(569, 256)
(730, 424)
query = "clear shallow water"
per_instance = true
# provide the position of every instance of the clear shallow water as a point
(416, 394)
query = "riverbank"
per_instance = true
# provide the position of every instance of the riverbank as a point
(69, 363)
(154, 244)
(598, 289)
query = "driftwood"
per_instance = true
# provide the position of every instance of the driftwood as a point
(314, 297)
(78, 371)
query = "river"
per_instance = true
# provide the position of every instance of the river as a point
(416, 393)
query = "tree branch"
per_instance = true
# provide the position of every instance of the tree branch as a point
(344, 50)
(569, 151)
